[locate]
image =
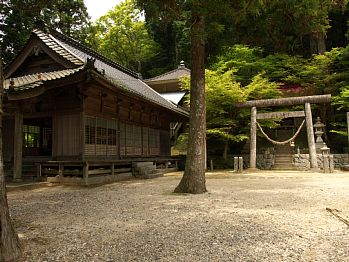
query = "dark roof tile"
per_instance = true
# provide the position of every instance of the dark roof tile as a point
(116, 73)
(30, 81)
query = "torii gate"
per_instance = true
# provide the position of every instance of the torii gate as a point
(291, 101)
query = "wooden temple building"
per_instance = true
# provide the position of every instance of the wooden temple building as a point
(168, 85)
(71, 112)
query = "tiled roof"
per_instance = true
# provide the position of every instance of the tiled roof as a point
(171, 75)
(34, 80)
(56, 46)
(116, 73)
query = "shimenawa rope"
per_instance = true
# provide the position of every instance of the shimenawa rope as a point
(283, 142)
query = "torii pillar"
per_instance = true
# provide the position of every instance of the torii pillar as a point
(310, 135)
(253, 137)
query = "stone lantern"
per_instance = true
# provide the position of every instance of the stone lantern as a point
(325, 151)
(319, 131)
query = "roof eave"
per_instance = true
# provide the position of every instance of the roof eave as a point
(100, 78)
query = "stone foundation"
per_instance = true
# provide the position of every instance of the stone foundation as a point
(302, 162)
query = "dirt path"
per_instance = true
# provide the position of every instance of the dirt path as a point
(251, 217)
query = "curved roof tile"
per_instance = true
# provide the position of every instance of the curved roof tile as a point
(21, 83)
(116, 73)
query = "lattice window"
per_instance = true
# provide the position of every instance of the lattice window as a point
(112, 136)
(137, 136)
(31, 136)
(129, 136)
(153, 137)
(101, 136)
(165, 142)
(90, 130)
(101, 127)
(122, 134)
(46, 137)
(145, 140)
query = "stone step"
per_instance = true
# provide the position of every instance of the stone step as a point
(157, 173)
(146, 170)
(283, 162)
(142, 164)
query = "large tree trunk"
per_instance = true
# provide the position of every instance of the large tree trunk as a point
(317, 44)
(193, 180)
(10, 249)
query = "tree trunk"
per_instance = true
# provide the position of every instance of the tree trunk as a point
(193, 180)
(10, 249)
(317, 44)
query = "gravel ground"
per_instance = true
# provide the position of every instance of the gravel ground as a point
(279, 216)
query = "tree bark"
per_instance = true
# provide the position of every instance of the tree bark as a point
(193, 180)
(317, 44)
(10, 249)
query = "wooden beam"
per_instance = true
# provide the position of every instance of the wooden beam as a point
(291, 101)
(281, 115)
(253, 138)
(311, 138)
(18, 146)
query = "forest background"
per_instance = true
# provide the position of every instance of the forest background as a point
(279, 49)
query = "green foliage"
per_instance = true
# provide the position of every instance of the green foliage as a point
(223, 91)
(248, 62)
(293, 27)
(18, 18)
(261, 88)
(180, 148)
(122, 36)
(342, 99)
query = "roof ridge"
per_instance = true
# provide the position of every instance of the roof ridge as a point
(167, 73)
(92, 52)
(66, 49)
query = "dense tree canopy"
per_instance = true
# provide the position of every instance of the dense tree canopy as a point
(18, 17)
(122, 36)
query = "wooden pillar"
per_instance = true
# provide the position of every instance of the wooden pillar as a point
(253, 138)
(112, 169)
(311, 138)
(38, 170)
(85, 169)
(61, 170)
(18, 146)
